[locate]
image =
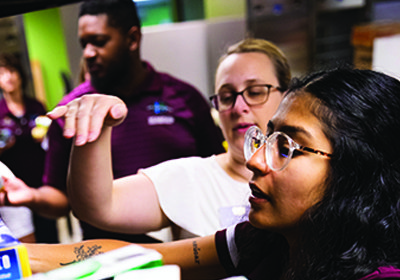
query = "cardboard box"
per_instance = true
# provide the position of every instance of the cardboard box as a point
(363, 37)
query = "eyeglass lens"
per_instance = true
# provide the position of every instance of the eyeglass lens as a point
(253, 140)
(278, 149)
(253, 95)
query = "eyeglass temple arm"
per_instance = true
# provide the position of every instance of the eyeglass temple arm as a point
(318, 152)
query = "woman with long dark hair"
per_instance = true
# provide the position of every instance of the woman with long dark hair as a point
(324, 193)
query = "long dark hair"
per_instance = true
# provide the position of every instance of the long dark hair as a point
(355, 228)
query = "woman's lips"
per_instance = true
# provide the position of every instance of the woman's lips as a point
(257, 194)
(242, 127)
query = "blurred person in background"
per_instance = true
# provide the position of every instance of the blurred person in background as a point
(21, 143)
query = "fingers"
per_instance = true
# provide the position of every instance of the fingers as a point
(66, 111)
(14, 183)
(2, 198)
(85, 116)
(96, 108)
(106, 111)
(57, 112)
(70, 118)
(118, 113)
(81, 118)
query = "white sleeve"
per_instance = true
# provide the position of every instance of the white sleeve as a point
(230, 240)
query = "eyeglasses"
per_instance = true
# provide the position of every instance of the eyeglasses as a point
(252, 95)
(279, 147)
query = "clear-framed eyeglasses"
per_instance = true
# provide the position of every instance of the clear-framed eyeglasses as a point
(279, 147)
(252, 95)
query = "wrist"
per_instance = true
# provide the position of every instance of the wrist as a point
(33, 198)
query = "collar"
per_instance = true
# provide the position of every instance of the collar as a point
(153, 80)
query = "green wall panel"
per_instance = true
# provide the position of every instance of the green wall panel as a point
(217, 8)
(46, 43)
(155, 14)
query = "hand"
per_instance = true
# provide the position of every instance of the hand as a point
(16, 193)
(85, 116)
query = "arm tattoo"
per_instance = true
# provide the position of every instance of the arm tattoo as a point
(196, 251)
(81, 254)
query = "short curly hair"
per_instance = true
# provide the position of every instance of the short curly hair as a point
(121, 14)
(12, 62)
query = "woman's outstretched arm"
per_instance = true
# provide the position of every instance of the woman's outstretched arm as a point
(197, 257)
(127, 205)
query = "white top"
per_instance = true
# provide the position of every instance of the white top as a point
(198, 196)
(18, 219)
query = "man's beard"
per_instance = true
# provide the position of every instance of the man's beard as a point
(114, 79)
(103, 84)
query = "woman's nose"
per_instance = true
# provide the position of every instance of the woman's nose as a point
(240, 104)
(257, 163)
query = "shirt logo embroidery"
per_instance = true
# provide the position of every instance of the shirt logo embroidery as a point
(159, 108)
(160, 120)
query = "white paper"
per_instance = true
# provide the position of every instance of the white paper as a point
(386, 55)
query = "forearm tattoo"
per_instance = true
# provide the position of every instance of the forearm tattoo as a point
(82, 253)
(196, 251)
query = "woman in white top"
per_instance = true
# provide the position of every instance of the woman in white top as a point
(249, 83)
